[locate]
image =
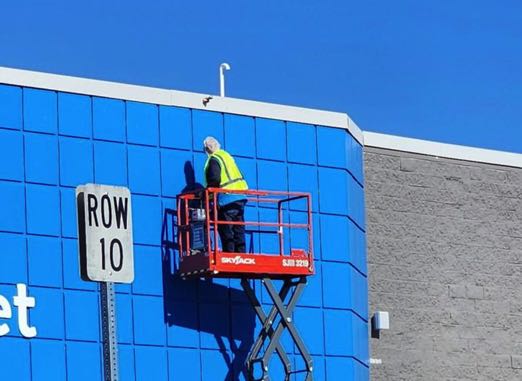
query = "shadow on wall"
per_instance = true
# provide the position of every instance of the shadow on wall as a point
(185, 306)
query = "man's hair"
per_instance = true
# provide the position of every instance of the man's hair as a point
(211, 144)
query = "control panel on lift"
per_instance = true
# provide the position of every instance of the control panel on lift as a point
(198, 238)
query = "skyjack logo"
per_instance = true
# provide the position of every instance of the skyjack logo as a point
(238, 260)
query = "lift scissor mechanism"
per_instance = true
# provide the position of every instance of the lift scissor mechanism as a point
(272, 336)
(201, 256)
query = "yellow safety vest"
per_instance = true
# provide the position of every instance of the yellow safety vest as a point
(231, 177)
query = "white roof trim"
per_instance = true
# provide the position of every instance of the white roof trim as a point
(451, 151)
(167, 97)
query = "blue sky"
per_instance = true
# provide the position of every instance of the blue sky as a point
(448, 71)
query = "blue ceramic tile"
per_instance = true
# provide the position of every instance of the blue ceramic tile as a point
(313, 293)
(68, 208)
(333, 147)
(303, 178)
(151, 363)
(182, 330)
(335, 241)
(184, 364)
(214, 325)
(148, 271)
(11, 155)
(12, 207)
(74, 115)
(11, 110)
(48, 314)
(175, 127)
(41, 158)
(124, 318)
(333, 191)
(309, 322)
(16, 358)
(338, 325)
(240, 135)
(146, 219)
(336, 286)
(214, 366)
(356, 202)
(206, 123)
(45, 261)
(40, 111)
(78, 354)
(108, 119)
(272, 175)
(110, 163)
(301, 143)
(357, 161)
(142, 123)
(13, 260)
(177, 172)
(82, 316)
(43, 210)
(76, 161)
(149, 309)
(43, 353)
(144, 170)
(270, 139)
(126, 363)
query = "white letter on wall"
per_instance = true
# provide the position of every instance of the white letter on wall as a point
(5, 313)
(24, 302)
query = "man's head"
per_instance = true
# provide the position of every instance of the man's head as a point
(211, 145)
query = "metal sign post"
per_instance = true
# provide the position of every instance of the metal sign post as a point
(106, 255)
(110, 343)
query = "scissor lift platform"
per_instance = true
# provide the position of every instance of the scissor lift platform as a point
(200, 256)
(235, 265)
(199, 252)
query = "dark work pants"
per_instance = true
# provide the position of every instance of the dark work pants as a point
(232, 236)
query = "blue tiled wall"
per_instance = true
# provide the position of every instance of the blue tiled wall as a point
(169, 329)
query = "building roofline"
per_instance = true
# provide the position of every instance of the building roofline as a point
(449, 151)
(93, 87)
(168, 97)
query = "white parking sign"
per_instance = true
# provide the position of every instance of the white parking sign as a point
(105, 233)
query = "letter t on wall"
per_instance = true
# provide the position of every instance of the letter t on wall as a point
(24, 302)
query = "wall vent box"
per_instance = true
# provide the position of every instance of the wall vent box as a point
(381, 320)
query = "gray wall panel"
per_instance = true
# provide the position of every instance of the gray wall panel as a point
(445, 259)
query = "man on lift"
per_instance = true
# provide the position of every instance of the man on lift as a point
(221, 171)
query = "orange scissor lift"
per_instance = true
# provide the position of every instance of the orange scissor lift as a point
(200, 256)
